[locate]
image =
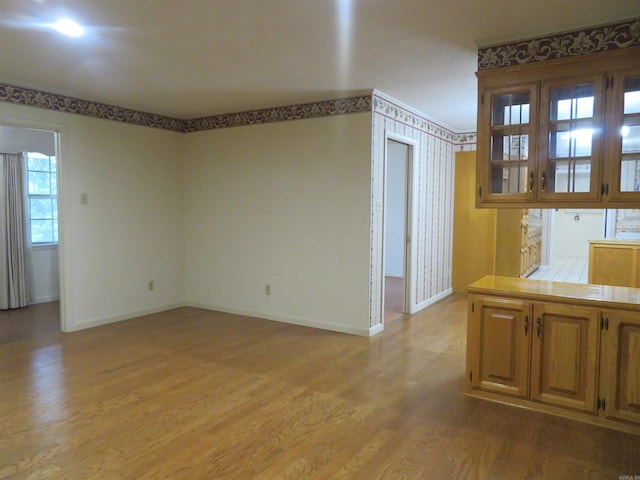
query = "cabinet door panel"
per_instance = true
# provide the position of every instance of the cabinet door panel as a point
(571, 121)
(505, 149)
(501, 363)
(623, 147)
(564, 356)
(622, 343)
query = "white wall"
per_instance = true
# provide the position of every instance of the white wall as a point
(571, 236)
(395, 199)
(131, 231)
(285, 204)
(45, 284)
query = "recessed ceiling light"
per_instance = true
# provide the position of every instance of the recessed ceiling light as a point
(68, 27)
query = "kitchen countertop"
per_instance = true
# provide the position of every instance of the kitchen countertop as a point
(601, 296)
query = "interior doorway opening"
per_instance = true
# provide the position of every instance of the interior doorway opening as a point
(397, 226)
(42, 256)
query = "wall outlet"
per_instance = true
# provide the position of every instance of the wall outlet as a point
(267, 289)
(150, 285)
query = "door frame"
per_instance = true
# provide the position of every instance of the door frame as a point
(59, 137)
(409, 234)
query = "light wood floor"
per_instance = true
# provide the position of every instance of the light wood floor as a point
(192, 394)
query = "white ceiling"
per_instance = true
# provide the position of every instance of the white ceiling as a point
(192, 58)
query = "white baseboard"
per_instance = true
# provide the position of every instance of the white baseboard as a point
(122, 316)
(432, 300)
(304, 322)
(376, 329)
(46, 299)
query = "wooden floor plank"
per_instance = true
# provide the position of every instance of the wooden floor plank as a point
(191, 393)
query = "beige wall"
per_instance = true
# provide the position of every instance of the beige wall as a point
(474, 230)
(212, 217)
(285, 204)
(131, 231)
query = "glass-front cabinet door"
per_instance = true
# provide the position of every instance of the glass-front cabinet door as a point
(623, 150)
(510, 124)
(571, 128)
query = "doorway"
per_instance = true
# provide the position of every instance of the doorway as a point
(398, 190)
(43, 314)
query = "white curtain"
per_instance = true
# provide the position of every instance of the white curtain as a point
(15, 242)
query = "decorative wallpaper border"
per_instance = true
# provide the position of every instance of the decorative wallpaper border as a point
(300, 111)
(399, 113)
(579, 42)
(62, 103)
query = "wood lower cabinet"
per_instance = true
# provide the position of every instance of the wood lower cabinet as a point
(564, 363)
(501, 362)
(614, 262)
(545, 352)
(621, 361)
(565, 349)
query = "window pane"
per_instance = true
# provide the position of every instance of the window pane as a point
(630, 174)
(39, 183)
(631, 139)
(53, 164)
(571, 176)
(563, 110)
(42, 231)
(510, 109)
(54, 184)
(585, 107)
(54, 200)
(567, 143)
(511, 178)
(499, 148)
(571, 102)
(41, 208)
(37, 161)
(632, 96)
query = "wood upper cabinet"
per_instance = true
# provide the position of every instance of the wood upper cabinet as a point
(563, 132)
(623, 149)
(564, 362)
(621, 363)
(500, 361)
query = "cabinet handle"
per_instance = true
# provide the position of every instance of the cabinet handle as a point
(531, 182)
(526, 325)
(544, 181)
(539, 326)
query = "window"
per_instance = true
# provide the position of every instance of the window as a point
(43, 198)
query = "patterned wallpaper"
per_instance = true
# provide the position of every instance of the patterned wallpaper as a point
(579, 42)
(434, 180)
